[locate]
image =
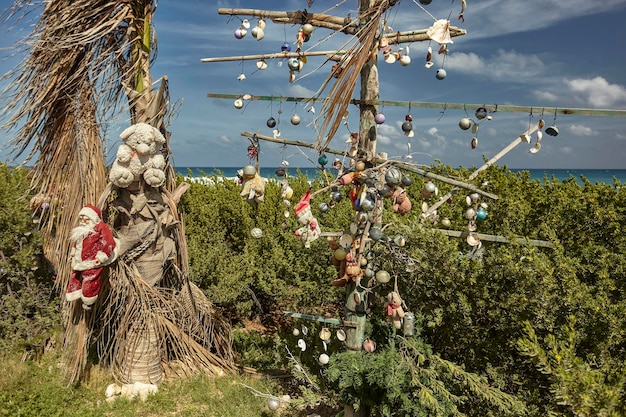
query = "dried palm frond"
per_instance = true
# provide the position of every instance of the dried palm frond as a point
(340, 94)
(82, 59)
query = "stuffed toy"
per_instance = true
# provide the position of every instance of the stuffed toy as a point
(310, 229)
(139, 156)
(393, 308)
(401, 202)
(253, 188)
(93, 248)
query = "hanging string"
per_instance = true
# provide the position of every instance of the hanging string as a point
(443, 111)
(424, 10)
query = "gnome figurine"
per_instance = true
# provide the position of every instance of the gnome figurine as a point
(93, 247)
(310, 229)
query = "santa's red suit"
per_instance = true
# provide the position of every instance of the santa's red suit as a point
(93, 247)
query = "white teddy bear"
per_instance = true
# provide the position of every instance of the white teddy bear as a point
(138, 156)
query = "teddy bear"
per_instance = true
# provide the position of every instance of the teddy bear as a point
(253, 188)
(394, 310)
(139, 156)
(401, 202)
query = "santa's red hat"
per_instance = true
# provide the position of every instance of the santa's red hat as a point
(92, 212)
(304, 202)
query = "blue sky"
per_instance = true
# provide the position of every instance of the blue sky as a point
(539, 53)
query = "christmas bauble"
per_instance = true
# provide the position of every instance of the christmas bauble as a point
(379, 118)
(382, 277)
(465, 123)
(441, 74)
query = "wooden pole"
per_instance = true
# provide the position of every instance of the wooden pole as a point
(446, 106)
(486, 165)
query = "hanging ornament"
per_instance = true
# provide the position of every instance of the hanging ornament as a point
(465, 123)
(293, 64)
(379, 118)
(257, 33)
(537, 146)
(240, 33)
(407, 126)
(307, 28)
(322, 160)
(474, 142)
(481, 113)
(241, 77)
(261, 64)
(286, 47)
(405, 59)
(382, 277)
(271, 122)
(441, 74)
(481, 214)
(238, 103)
(295, 120)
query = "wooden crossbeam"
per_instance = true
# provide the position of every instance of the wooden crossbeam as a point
(444, 106)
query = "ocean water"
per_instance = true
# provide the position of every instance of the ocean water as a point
(593, 175)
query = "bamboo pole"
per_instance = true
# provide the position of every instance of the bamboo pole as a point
(399, 164)
(445, 106)
(499, 239)
(332, 55)
(486, 165)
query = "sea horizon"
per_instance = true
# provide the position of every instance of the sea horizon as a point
(596, 175)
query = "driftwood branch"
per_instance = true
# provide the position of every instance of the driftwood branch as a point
(399, 164)
(499, 239)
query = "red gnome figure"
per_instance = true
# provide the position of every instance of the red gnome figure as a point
(93, 247)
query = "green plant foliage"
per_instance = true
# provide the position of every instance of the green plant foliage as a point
(580, 388)
(28, 307)
(412, 381)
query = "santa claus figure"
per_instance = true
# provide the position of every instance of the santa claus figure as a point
(93, 247)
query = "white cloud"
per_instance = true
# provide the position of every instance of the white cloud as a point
(567, 150)
(502, 66)
(597, 92)
(545, 96)
(580, 130)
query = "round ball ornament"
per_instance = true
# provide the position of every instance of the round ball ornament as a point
(273, 403)
(465, 123)
(382, 277)
(307, 28)
(256, 233)
(324, 207)
(430, 187)
(323, 359)
(295, 120)
(271, 122)
(286, 47)
(406, 180)
(322, 160)
(238, 103)
(393, 176)
(407, 127)
(481, 214)
(293, 64)
(379, 118)
(340, 254)
(240, 33)
(249, 171)
(376, 233)
(336, 196)
(441, 74)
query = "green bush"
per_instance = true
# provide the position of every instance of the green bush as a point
(27, 299)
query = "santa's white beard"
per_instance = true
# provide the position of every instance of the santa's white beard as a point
(80, 232)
